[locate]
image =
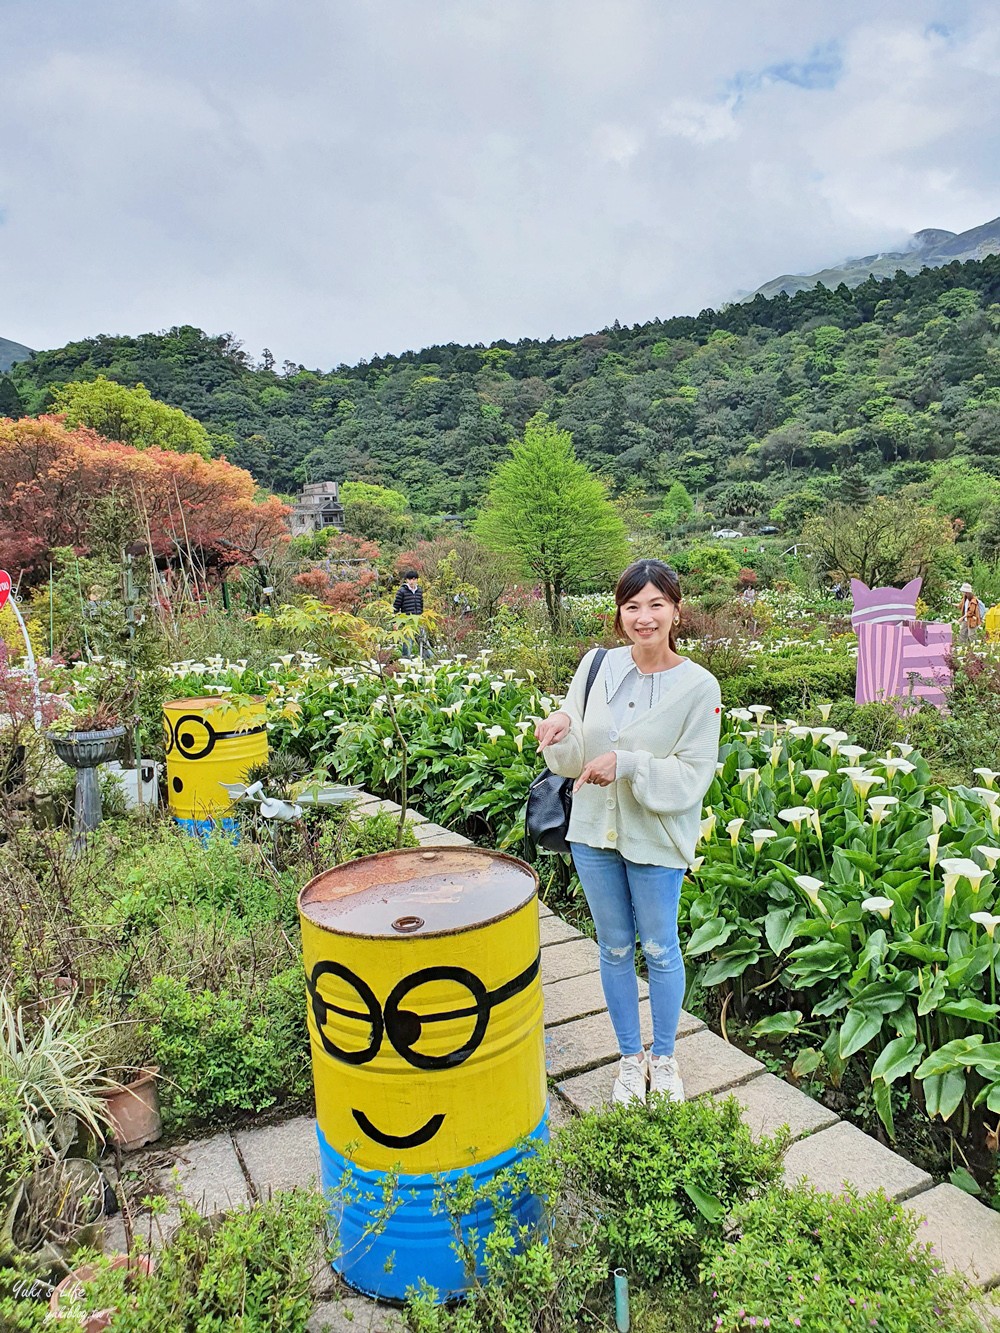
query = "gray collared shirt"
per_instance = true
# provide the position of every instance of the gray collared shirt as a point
(630, 693)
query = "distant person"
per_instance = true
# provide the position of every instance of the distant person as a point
(971, 614)
(409, 601)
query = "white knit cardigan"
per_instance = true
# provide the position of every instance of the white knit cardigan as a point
(653, 816)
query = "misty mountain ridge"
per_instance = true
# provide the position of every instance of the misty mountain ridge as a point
(930, 248)
(11, 352)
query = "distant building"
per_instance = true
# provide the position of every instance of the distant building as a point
(317, 507)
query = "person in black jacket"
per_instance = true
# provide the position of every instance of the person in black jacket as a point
(410, 598)
(409, 601)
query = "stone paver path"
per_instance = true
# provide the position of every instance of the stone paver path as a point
(580, 1056)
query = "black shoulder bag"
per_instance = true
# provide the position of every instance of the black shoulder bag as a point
(550, 797)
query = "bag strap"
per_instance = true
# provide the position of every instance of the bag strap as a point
(595, 666)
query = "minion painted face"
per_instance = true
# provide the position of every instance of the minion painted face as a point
(208, 742)
(425, 1007)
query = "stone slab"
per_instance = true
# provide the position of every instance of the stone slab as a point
(543, 910)
(843, 1153)
(572, 1048)
(576, 997)
(355, 1314)
(280, 1157)
(964, 1232)
(768, 1103)
(442, 839)
(427, 830)
(414, 817)
(707, 1064)
(554, 930)
(570, 958)
(209, 1174)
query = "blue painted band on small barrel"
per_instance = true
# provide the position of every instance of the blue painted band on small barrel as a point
(203, 828)
(385, 1248)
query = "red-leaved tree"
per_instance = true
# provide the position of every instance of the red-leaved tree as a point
(182, 504)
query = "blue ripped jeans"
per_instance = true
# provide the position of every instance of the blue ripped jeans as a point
(624, 898)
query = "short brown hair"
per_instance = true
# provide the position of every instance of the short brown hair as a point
(635, 578)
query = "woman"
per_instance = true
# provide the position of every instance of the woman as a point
(637, 809)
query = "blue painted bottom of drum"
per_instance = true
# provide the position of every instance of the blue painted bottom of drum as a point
(388, 1244)
(202, 828)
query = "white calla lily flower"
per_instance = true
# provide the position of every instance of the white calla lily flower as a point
(740, 714)
(987, 920)
(991, 855)
(988, 775)
(824, 711)
(795, 815)
(851, 752)
(706, 828)
(933, 839)
(879, 807)
(811, 886)
(883, 906)
(760, 836)
(962, 867)
(903, 748)
(938, 818)
(733, 829)
(816, 776)
(894, 766)
(834, 740)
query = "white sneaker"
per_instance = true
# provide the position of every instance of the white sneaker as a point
(630, 1085)
(665, 1077)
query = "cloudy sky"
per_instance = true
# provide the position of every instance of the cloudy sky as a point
(338, 178)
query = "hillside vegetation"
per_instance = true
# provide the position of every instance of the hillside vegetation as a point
(768, 407)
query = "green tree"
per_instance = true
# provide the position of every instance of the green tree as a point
(677, 508)
(10, 399)
(132, 416)
(887, 542)
(376, 513)
(550, 513)
(959, 490)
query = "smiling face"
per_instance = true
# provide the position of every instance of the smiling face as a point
(648, 617)
(427, 1049)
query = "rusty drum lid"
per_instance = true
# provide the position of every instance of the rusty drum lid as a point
(423, 891)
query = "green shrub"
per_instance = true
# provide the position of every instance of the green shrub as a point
(789, 685)
(251, 1273)
(225, 1050)
(165, 867)
(831, 1265)
(665, 1177)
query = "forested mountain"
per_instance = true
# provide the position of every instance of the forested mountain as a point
(782, 401)
(927, 249)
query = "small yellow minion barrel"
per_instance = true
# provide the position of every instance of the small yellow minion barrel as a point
(424, 1005)
(209, 741)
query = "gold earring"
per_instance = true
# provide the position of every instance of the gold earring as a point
(677, 620)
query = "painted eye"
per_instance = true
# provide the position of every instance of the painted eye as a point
(346, 1013)
(195, 738)
(437, 1017)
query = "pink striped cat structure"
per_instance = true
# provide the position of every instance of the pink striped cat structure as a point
(900, 659)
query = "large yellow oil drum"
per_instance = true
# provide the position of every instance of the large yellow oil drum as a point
(424, 1005)
(209, 741)
(991, 623)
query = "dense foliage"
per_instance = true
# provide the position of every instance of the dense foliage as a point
(754, 406)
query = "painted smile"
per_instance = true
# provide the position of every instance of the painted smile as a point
(415, 1140)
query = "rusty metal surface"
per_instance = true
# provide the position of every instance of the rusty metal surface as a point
(418, 892)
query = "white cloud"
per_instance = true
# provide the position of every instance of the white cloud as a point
(334, 180)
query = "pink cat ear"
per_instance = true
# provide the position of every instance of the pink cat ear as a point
(912, 589)
(858, 587)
